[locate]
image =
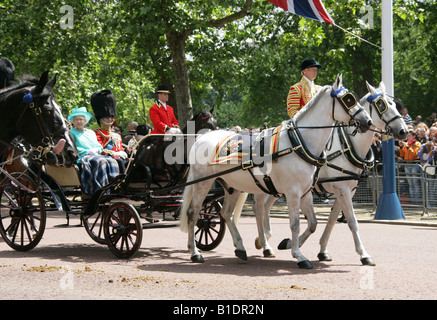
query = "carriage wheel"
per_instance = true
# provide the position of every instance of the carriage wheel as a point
(211, 227)
(123, 230)
(22, 213)
(94, 226)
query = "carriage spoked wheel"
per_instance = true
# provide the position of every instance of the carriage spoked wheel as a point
(210, 226)
(123, 230)
(22, 212)
(94, 226)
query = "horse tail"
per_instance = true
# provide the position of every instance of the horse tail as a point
(239, 206)
(187, 198)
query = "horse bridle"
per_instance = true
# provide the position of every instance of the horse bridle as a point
(378, 102)
(47, 143)
(348, 101)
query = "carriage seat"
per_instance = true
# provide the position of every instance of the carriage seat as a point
(66, 177)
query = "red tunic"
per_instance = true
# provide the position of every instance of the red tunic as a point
(162, 118)
(109, 140)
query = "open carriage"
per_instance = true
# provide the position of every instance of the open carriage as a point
(116, 214)
(49, 181)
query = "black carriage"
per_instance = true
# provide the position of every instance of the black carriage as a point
(149, 194)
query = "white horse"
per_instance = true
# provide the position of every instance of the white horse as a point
(290, 174)
(351, 159)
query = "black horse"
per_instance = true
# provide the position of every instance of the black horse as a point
(161, 161)
(29, 110)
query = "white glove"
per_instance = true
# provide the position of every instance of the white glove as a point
(174, 131)
(120, 154)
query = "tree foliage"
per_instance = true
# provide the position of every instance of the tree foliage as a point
(238, 56)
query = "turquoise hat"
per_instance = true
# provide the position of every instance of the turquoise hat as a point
(80, 112)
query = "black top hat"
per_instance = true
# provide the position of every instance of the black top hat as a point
(308, 63)
(104, 104)
(162, 89)
(7, 70)
(142, 130)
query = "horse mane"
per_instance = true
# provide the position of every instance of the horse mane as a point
(312, 102)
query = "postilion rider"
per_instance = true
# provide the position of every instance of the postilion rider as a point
(303, 91)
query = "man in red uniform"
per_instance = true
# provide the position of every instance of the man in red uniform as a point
(161, 114)
(303, 91)
(104, 104)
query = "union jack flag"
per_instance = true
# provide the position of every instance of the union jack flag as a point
(312, 9)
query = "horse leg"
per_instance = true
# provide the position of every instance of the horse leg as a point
(306, 205)
(352, 222)
(323, 254)
(199, 193)
(308, 211)
(227, 211)
(293, 210)
(261, 208)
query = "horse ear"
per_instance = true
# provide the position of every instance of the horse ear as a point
(370, 88)
(43, 81)
(382, 86)
(51, 84)
(339, 81)
(212, 110)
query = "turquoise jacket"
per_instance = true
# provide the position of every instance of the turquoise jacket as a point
(86, 141)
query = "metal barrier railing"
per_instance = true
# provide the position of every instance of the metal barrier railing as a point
(416, 188)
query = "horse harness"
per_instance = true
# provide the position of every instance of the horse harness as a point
(347, 101)
(380, 105)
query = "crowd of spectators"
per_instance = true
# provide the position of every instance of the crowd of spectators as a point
(417, 154)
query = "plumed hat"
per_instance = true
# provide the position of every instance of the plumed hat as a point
(7, 71)
(308, 63)
(104, 104)
(162, 89)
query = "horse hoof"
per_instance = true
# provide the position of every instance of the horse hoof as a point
(305, 264)
(285, 244)
(324, 257)
(368, 261)
(268, 253)
(257, 244)
(241, 254)
(197, 258)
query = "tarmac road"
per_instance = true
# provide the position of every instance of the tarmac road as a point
(67, 264)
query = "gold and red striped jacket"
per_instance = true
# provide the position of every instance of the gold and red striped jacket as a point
(299, 95)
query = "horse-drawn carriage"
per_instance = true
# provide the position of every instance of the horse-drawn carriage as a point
(113, 214)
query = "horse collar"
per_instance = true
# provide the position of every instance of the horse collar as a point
(300, 147)
(351, 154)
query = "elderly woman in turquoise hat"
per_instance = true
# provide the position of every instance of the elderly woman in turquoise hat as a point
(96, 170)
(86, 140)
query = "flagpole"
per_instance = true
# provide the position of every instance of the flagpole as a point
(357, 36)
(389, 206)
